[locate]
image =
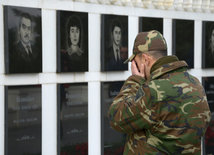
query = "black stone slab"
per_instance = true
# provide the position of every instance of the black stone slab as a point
(22, 29)
(112, 141)
(73, 118)
(183, 40)
(208, 83)
(23, 109)
(150, 23)
(208, 44)
(72, 41)
(114, 42)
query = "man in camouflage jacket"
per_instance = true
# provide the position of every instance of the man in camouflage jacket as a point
(162, 108)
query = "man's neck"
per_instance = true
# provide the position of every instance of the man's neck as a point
(28, 50)
(115, 46)
(24, 44)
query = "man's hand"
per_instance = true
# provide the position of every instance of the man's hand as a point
(137, 70)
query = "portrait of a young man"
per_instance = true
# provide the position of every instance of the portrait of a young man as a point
(114, 43)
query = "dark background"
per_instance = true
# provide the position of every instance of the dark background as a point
(149, 23)
(183, 40)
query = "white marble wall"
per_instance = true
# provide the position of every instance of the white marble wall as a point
(197, 10)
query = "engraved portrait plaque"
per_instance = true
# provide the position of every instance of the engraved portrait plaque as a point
(183, 41)
(72, 41)
(208, 83)
(22, 39)
(150, 23)
(114, 42)
(112, 141)
(23, 120)
(208, 44)
(72, 118)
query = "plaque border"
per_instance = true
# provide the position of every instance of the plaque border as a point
(6, 39)
(58, 41)
(6, 122)
(203, 138)
(102, 119)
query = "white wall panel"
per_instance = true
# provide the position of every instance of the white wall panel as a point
(94, 118)
(198, 44)
(49, 119)
(133, 31)
(49, 78)
(49, 40)
(167, 33)
(94, 26)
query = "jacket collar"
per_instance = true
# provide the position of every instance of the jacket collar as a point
(166, 64)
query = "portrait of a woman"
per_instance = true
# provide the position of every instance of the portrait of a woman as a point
(74, 38)
(75, 55)
(73, 48)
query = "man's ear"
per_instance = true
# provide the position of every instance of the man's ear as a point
(146, 59)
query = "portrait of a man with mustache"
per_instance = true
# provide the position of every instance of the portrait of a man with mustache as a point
(25, 57)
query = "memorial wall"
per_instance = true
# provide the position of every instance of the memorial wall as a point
(62, 65)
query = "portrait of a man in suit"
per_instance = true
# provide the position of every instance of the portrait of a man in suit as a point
(114, 54)
(25, 56)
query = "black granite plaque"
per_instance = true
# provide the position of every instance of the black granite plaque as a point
(73, 119)
(112, 141)
(149, 23)
(183, 41)
(208, 44)
(23, 40)
(23, 120)
(208, 83)
(72, 41)
(114, 42)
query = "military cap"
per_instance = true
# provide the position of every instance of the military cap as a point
(148, 41)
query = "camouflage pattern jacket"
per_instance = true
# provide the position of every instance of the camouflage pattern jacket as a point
(167, 114)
